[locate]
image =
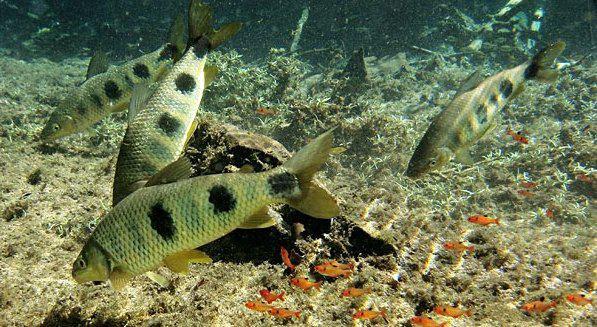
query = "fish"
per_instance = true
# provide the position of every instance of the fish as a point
(162, 225)
(334, 263)
(258, 306)
(578, 299)
(549, 213)
(453, 312)
(109, 89)
(161, 121)
(472, 113)
(263, 111)
(426, 322)
(517, 136)
(355, 292)
(529, 184)
(483, 220)
(270, 296)
(304, 284)
(332, 271)
(286, 258)
(458, 246)
(584, 178)
(284, 313)
(538, 306)
(525, 193)
(369, 314)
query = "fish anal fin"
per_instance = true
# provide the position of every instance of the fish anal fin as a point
(316, 202)
(210, 74)
(158, 279)
(260, 219)
(97, 65)
(470, 82)
(179, 262)
(176, 171)
(119, 278)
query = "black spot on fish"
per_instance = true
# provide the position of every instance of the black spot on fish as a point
(506, 88)
(201, 47)
(97, 100)
(161, 221)
(112, 90)
(141, 70)
(168, 124)
(481, 114)
(168, 52)
(282, 184)
(185, 83)
(531, 71)
(222, 199)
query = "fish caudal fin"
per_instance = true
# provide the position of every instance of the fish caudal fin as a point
(201, 32)
(176, 36)
(540, 66)
(314, 200)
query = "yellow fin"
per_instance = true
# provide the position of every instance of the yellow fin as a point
(470, 82)
(176, 35)
(210, 74)
(179, 262)
(97, 65)
(190, 132)
(157, 278)
(141, 93)
(176, 171)
(225, 33)
(316, 202)
(260, 219)
(517, 91)
(119, 278)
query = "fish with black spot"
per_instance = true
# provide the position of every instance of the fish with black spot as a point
(162, 116)
(472, 113)
(108, 89)
(162, 225)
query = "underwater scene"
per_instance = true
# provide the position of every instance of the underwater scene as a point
(298, 163)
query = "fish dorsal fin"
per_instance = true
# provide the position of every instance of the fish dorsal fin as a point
(97, 65)
(470, 82)
(210, 74)
(141, 93)
(260, 219)
(179, 262)
(176, 171)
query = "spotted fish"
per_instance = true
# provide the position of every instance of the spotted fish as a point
(472, 113)
(162, 225)
(161, 121)
(109, 90)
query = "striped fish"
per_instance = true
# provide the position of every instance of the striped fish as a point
(162, 225)
(109, 90)
(161, 121)
(472, 113)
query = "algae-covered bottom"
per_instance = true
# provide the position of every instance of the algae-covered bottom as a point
(392, 227)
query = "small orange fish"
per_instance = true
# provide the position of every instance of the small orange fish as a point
(525, 193)
(549, 213)
(304, 283)
(332, 271)
(584, 178)
(517, 136)
(482, 220)
(258, 306)
(529, 184)
(538, 306)
(369, 314)
(453, 312)
(284, 313)
(286, 258)
(334, 263)
(578, 299)
(355, 292)
(265, 111)
(425, 322)
(270, 297)
(458, 246)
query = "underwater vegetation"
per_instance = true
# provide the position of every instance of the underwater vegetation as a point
(276, 188)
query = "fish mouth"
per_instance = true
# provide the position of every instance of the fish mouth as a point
(412, 173)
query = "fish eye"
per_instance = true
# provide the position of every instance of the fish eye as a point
(56, 127)
(81, 263)
(432, 162)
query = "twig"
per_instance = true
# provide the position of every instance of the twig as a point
(299, 29)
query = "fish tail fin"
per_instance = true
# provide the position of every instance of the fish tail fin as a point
(202, 35)
(281, 296)
(468, 313)
(497, 221)
(317, 285)
(471, 248)
(540, 66)
(176, 36)
(313, 199)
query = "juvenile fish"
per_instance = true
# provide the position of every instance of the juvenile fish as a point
(109, 90)
(161, 121)
(162, 225)
(472, 113)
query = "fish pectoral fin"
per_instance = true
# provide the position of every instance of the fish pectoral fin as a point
(470, 82)
(179, 262)
(210, 74)
(316, 202)
(97, 65)
(176, 171)
(141, 94)
(119, 278)
(490, 128)
(159, 279)
(517, 91)
(464, 157)
(260, 219)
